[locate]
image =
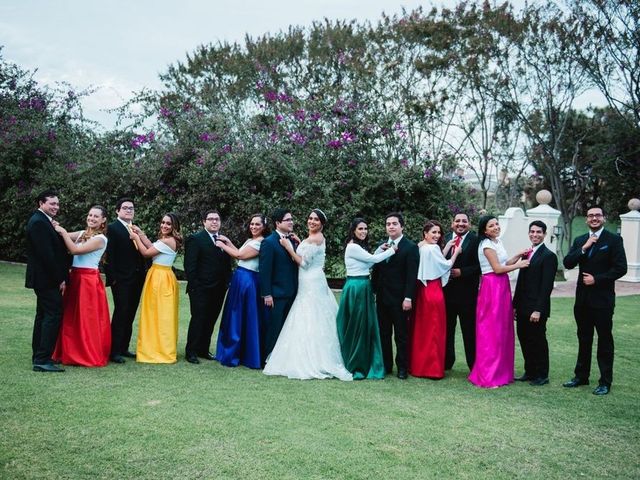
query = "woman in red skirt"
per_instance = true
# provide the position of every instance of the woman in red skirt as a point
(85, 333)
(429, 318)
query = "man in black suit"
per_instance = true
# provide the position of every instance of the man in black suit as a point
(208, 269)
(278, 277)
(47, 274)
(125, 269)
(532, 305)
(394, 282)
(601, 260)
(461, 292)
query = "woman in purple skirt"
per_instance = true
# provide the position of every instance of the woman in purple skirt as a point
(495, 340)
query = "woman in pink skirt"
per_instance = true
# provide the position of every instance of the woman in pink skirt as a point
(495, 340)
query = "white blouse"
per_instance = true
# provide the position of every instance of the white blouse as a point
(91, 259)
(358, 261)
(485, 266)
(166, 257)
(251, 263)
(433, 264)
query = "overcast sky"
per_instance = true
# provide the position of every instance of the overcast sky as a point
(122, 46)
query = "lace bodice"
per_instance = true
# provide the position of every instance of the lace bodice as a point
(312, 255)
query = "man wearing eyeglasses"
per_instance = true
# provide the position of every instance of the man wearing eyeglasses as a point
(208, 269)
(125, 269)
(278, 277)
(601, 260)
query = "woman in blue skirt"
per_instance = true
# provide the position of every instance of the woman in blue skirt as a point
(239, 338)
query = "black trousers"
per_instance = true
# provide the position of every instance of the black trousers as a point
(275, 321)
(126, 298)
(393, 320)
(46, 325)
(533, 343)
(467, 314)
(589, 319)
(205, 304)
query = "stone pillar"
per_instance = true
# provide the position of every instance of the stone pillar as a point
(630, 231)
(550, 216)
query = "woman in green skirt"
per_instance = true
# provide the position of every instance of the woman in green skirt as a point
(357, 320)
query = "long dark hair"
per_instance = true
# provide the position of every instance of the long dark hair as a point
(428, 225)
(265, 226)
(482, 226)
(352, 234)
(175, 229)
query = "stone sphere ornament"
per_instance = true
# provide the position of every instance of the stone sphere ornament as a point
(543, 197)
(634, 204)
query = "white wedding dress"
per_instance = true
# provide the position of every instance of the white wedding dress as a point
(308, 344)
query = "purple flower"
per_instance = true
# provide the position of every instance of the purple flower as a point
(404, 162)
(300, 115)
(352, 163)
(270, 96)
(199, 161)
(315, 116)
(225, 149)
(341, 57)
(279, 118)
(166, 113)
(335, 144)
(298, 138)
(51, 135)
(428, 173)
(283, 97)
(273, 137)
(259, 84)
(348, 137)
(37, 153)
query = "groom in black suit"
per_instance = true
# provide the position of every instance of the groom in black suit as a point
(278, 277)
(532, 305)
(461, 292)
(47, 274)
(208, 269)
(601, 260)
(394, 282)
(125, 270)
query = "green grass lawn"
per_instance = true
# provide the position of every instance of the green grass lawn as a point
(208, 421)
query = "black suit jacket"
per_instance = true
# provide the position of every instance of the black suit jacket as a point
(395, 280)
(535, 283)
(47, 258)
(123, 260)
(278, 272)
(205, 265)
(464, 289)
(606, 261)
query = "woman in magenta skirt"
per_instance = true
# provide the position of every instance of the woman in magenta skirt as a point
(495, 340)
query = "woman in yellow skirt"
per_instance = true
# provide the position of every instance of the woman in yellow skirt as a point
(158, 330)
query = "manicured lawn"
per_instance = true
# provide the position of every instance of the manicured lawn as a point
(207, 421)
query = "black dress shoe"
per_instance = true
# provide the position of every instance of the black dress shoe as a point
(524, 378)
(117, 359)
(208, 356)
(538, 382)
(192, 359)
(575, 382)
(402, 374)
(47, 367)
(128, 354)
(601, 390)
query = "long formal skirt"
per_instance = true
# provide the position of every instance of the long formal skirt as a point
(495, 339)
(85, 332)
(358, 331)
(242, 322)
(428, 331)
(158, 333)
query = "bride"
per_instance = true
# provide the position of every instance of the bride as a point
(308, 345)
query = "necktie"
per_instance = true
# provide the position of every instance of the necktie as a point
(458, 240)
(530, 254)
(593, 247)
(129, 230)
(391, 244)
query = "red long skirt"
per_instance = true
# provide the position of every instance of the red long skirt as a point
(428, 331)
(85, 333)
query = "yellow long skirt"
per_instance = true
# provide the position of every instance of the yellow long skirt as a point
(158, 334)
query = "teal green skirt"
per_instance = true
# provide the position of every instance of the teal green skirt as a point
(358, 330)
